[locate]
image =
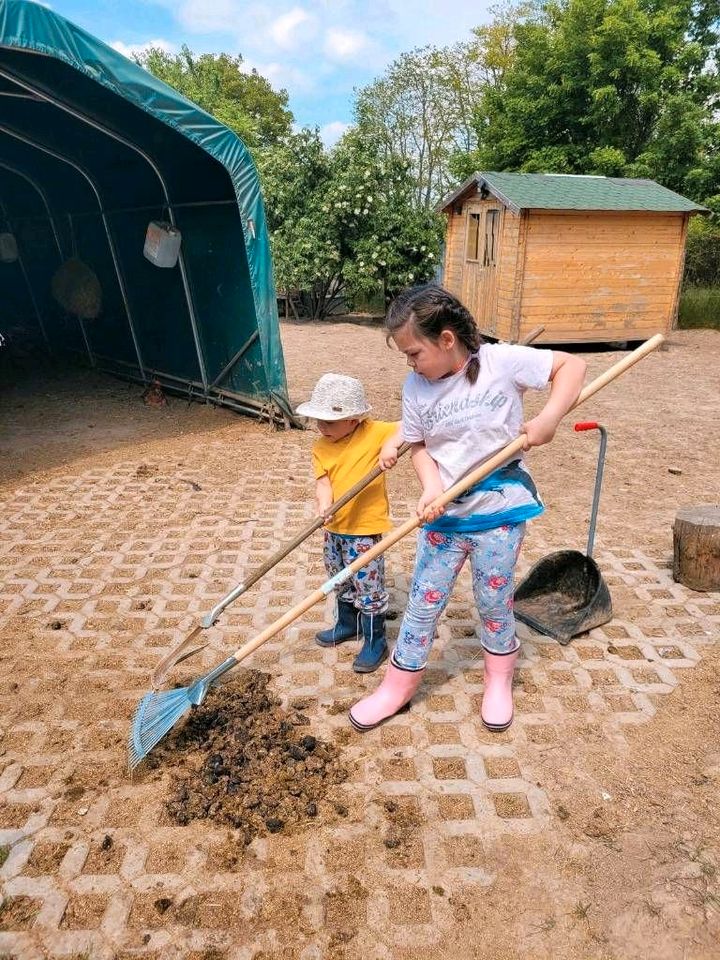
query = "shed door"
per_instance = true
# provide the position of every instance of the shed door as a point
(482, 242)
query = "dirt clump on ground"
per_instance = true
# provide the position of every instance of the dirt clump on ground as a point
(250, 764)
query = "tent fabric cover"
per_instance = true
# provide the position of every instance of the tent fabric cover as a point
(93, 147)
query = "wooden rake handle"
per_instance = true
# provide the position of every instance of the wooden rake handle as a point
(187, 648)
(317, 523)
(259, 572)
(479, 473)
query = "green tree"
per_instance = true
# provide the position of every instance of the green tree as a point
(493, 45)
(702, 253)
(423, 108)
(614, 87)
(245, 102)
(421, 112)
(343, 222)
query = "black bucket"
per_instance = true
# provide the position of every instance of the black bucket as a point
(563, 595)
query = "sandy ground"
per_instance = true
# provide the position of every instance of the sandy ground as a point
(589, 830)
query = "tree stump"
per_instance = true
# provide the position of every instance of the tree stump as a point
(696, 547)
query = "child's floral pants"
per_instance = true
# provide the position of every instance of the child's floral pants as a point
(366, 588)
(440, 558)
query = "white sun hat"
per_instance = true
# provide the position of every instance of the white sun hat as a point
(336, 397)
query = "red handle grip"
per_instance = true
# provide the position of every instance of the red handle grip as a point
(587, 425)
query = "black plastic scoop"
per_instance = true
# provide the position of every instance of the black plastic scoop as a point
(564, 594)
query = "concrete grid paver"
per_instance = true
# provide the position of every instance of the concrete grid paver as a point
(103, 569)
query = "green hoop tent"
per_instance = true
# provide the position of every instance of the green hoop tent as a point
(92, 149)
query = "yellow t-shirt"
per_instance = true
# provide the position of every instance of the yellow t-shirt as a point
(345, 462)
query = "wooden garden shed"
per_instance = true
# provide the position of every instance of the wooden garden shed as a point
(591, 258)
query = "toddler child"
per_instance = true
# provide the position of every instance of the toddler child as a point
(350, 446)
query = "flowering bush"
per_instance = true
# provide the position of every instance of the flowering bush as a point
(344, 222)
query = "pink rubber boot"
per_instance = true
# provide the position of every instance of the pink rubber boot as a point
(497, 704)
(397, 688)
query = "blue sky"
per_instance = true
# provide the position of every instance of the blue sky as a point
(318, 50)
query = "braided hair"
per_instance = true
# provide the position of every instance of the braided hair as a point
(432, 309)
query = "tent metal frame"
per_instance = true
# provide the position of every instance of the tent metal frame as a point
(26, 278)
(60, 105)
(43, 196)
(41, 193)
(23, 83)
(28, 141)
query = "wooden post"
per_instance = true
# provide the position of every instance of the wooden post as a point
(675, 305)
(696, 547)
(519, 278)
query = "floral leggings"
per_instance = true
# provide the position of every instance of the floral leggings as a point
(440, 558)
(365, 589)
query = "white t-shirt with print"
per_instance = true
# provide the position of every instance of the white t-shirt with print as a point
(462, 424)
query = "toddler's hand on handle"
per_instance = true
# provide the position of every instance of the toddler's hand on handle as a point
(388, 455)
(323, 497)
(429, 494)
(389, 450)
(323, 510)
(541, 429)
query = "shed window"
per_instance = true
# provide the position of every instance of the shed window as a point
(473, 236)
(491, 224)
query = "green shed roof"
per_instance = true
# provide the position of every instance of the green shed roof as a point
(555, 191)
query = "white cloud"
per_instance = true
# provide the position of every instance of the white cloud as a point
(292, 28)
(281, 75)
(344, 44)
(130, 50)
(331, 132)
(395, 24)
(318, 50)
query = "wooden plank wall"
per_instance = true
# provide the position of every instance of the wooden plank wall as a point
(509, 282)
(472, 289)
(489, 293)
(454, 253)
(601, 275)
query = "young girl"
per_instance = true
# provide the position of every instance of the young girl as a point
(461, 404)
